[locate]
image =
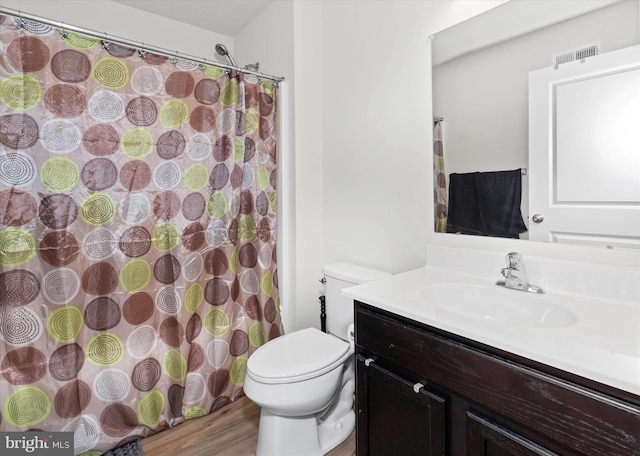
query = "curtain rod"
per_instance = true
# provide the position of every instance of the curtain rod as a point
(126, 42)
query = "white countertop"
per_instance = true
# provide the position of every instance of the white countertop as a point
(603, 345)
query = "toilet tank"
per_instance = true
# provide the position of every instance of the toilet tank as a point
(339, 308)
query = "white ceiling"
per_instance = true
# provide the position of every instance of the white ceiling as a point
(227, 17)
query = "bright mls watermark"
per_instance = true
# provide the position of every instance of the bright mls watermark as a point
(36, 443)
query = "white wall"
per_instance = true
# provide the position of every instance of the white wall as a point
(267, 39)
(123, 21)
(377, 127)
(309, 148)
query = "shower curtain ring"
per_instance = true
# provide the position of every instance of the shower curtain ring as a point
(174, 59)
(19, 21)
(203, 66)
(63, 33)
(141, 52)
(105, 44)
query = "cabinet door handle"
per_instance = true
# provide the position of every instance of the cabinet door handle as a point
(417, 387)
(369, 361)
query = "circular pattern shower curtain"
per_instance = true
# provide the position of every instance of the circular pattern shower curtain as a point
(137, 235)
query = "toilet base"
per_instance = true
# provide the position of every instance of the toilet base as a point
(333, 434)
(296, 436)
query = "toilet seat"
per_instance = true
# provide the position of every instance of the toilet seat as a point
(297, 356)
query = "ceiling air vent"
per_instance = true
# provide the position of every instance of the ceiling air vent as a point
(578, 53)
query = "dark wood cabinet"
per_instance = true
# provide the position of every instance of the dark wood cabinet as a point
(398, 410)
(423, 391)
(485, 438)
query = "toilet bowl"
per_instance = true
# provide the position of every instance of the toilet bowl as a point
(304, 381)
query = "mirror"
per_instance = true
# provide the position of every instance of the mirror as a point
(481, 86)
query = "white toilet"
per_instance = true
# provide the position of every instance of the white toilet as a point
(304, 381)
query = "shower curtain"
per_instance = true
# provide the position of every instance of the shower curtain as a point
(439, 180)
(137, 235)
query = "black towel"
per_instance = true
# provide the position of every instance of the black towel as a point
(486, 203)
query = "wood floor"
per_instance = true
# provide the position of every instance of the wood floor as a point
(230, 431)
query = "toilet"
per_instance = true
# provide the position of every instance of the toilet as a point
(304, 381)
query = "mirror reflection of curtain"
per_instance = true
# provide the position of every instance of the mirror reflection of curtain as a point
(439, 179)
(137, 235)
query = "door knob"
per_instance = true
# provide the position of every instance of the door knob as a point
(537, 218)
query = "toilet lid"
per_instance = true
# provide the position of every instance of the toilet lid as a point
(297, 356)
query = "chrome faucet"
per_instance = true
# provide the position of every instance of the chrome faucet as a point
(515, 275)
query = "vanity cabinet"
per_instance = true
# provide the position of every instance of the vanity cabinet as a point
(398, 410)
(423, 391)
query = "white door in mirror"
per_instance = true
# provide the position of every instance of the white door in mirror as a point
(584, 151)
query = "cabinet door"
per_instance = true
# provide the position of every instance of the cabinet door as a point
(485, 438)
(396, 417)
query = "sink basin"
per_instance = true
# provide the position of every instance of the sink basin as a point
(497, 305)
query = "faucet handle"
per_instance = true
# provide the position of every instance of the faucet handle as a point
(514, 260)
